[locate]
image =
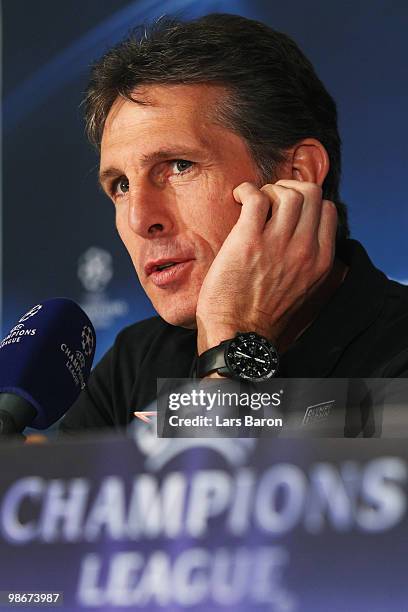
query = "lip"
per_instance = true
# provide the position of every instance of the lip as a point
(151, 266)
(170, 276)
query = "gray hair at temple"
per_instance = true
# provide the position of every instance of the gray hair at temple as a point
(274, 98)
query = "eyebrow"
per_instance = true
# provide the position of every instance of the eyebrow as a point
(110, 172)
(160, 155)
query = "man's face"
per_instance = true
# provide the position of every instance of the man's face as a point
(170, 171)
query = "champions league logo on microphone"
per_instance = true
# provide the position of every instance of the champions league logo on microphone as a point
(95, 272)
(76, 360)
(31, 313)
(87, 340)
(16, 335)
(19, 331)
(46, 366)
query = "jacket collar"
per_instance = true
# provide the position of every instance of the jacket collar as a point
(353, 307)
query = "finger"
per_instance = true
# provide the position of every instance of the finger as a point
(294, 184)
(255, 207)
(311, 209)
(327, 231)
(287, 208)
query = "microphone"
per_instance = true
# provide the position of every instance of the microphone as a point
(45, 362)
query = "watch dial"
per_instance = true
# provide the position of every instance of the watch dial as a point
(251, 357)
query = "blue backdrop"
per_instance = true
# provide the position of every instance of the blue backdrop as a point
(58, 228)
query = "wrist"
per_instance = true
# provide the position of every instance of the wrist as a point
(209, 337)
(212, 334)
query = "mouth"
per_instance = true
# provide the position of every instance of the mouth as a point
(165, 272)
(162, 264)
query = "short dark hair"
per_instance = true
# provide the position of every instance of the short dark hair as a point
(275, 97)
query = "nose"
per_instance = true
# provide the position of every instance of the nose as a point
(149, 213)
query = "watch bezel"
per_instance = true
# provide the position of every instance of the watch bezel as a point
(240, 337)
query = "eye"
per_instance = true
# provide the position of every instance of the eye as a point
(181, 166)
(120, 186)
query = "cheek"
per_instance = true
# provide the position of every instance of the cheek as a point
(122, 228)
(128, 237)
(122, 224)
(218, 216)
(209, 208)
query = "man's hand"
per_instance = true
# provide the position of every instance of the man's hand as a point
(266, 269)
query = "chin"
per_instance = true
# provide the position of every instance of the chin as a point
(183, 315)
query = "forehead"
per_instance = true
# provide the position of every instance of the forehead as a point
(163, 115)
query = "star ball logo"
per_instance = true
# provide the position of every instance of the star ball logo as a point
(87, 340)
(75, 359)
(31, 313)
(95, 270)
(80, 358)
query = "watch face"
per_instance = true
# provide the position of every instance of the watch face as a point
(251, 357)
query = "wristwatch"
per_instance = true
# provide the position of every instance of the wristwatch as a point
(248, 356)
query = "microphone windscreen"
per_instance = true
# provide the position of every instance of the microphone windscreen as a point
(46, 358)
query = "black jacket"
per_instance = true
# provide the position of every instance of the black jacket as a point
(362, 332)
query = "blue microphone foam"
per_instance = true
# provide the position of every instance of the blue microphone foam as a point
(46, 358)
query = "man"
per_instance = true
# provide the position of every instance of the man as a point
(220, 151)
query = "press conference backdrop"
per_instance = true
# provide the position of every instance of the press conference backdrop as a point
(58, 233)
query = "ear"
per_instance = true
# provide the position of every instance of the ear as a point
(309, 161)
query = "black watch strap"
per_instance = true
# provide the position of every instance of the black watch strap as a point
(211, 360)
